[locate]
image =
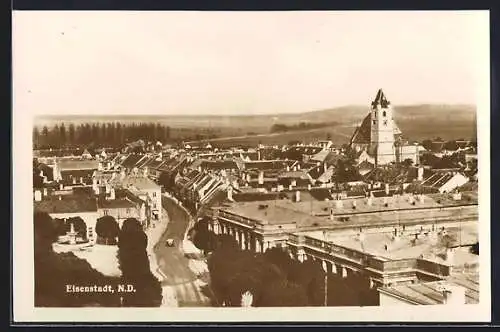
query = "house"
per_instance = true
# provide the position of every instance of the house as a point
(145, 189)
(70, 206)
(302, 152)
(445, 181)
(123, 206)
(73, 171)
(297, 178)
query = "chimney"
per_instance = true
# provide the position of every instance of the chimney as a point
(258, 154)
(354, 205)
(60, 198)
(38, 195)
(99, 166)
(288, 168)
(74, 180)
(81, 179)
(297, 196)
(261, 177)
(421, 198)
(298, 167)
(309, 187)
(61, 187)
(44, 191)
(420, 174)
(450, 256)
(339, 204)
(290, 187)
(230, 193)
(387, 189)
(112, 194)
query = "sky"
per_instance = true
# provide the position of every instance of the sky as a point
(242, 62)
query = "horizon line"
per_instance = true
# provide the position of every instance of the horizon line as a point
(238, 114)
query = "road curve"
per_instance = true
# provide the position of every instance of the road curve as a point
(172, 263)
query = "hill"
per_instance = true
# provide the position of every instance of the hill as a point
(416, 121)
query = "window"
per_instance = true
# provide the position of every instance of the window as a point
(384, 113)
(128, 211)
(154, 193)
(374, 122)
(385, 122)
(105, 212)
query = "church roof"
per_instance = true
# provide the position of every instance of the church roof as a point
(381, 100)
(362, 134)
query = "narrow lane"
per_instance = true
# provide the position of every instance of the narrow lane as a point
(172, 263)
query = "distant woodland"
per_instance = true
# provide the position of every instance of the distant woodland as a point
(106, 134)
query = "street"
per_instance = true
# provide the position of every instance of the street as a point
(174, 266)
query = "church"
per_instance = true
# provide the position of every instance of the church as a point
(378, 140)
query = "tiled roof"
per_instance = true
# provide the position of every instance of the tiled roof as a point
(294, 175)
(307, 150)
(66, 205)
(429, 293)
(115, 203)
(131, 160)
(362, 134)
(144, 162)
(140, 182)
(84, 173)
(75, 164)
(321, 156)
(268, 164)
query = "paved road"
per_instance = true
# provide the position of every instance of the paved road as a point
(172, 262)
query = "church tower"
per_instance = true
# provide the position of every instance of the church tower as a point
(382, 140)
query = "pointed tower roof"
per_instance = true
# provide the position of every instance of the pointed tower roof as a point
(381, 100)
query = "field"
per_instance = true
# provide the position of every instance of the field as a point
(417, 122)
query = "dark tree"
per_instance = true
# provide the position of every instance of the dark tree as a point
(427, 144)
(36, 138)
(71, 134)
(134, 263)
(62, 135)
(45, 137)
(283, 293)
(107, 230)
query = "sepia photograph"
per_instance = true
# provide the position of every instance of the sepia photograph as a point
(299, 166)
